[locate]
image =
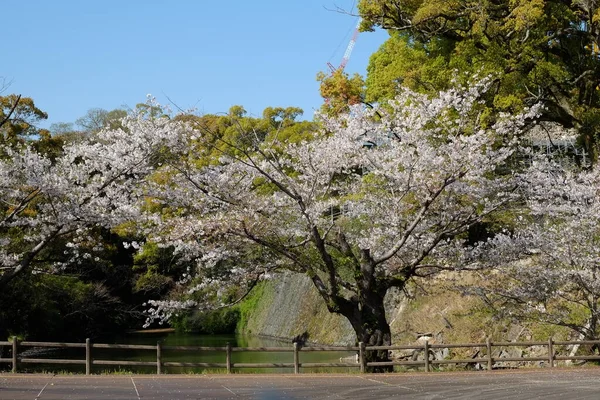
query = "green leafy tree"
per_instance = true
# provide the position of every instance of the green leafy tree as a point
(340, 91)
(18, 118)
(237, 129)
(540, 50)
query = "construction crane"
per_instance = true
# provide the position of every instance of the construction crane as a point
(348, 52)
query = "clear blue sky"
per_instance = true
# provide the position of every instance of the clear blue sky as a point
(73, 55)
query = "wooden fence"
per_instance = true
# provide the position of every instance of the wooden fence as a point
(426, 362)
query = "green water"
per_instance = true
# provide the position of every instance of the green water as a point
(183, 339)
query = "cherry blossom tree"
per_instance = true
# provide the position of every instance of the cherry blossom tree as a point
(91, 184)
(548, 268)
(377, 199)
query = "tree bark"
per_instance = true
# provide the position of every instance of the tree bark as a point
(372, 328)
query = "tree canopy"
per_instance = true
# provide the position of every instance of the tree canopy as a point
(356, 219)
(540, 51)
(340, 92)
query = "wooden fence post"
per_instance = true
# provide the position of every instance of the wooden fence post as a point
(361, 356)
(158, 358)
(296, 359)
(426, 350)
(88, 356)
(550, 352)
(228, 357)
(490, 360)
(15, 349)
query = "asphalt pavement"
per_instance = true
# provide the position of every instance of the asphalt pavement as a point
(563, 384)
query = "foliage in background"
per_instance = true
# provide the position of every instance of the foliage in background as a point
(207, 322)
(540, 51)
(340, 92)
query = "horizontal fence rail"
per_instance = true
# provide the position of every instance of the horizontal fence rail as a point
(425, 349)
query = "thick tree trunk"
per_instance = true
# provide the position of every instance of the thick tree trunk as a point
(372, 329)
(365, 310)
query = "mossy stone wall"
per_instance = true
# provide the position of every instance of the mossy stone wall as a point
(289, 305)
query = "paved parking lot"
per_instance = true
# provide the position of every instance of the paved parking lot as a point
(523, 384)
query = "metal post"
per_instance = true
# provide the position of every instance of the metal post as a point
(158, 358)
(361, 356)
(490, 360)
(228, 356)
(15, 347)
(296, 359)
(550, 352)
(426, 349)
(88, 356)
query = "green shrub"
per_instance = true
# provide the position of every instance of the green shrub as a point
(209, 322)
(249, 306)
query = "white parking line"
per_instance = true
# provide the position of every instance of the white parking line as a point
(135, 387)
(229, 390)
(40, 393)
